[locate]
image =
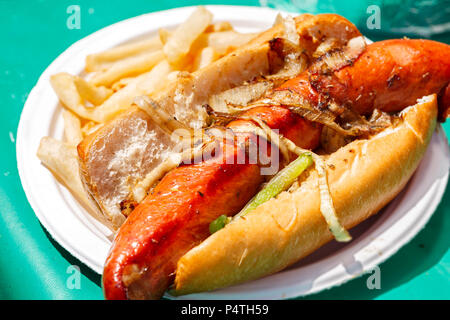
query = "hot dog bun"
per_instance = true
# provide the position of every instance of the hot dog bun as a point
(127, 148)
(363, 177)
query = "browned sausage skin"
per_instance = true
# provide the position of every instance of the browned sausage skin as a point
(389, 75)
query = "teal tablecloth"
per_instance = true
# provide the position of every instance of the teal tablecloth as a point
(33, 266)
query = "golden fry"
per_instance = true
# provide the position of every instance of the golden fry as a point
(72, 128)
(90, 127)
(144, 84)
(120, 84)
(91, 93)
(164, 35)
(205, 57)
(185, 34)
(67, 92)
(219, 26)
(128, 67)
(99, 61)
(226, 41)
(61, 159)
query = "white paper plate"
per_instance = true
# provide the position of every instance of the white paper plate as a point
(87, 239)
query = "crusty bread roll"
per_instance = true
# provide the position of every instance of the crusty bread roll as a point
(127, 148)
(363, 177)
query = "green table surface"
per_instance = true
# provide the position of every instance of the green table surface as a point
(34, 266)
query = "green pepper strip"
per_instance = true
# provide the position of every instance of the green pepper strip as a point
(280, 182)
(219, 223)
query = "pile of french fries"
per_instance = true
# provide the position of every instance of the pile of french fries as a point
(116, 76)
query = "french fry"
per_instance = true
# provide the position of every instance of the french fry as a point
(72, 128)
(222, 42)
(185, 34)
(99, 61)
(90, 127)
(164, 35)
(127, 67)
(144, 84)
(91, 93)
(225, 41)
(278, 19)
(219, 26)
(67, 92)
(206, 56)
(174, 75)
(122, 83)
(61, 159)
